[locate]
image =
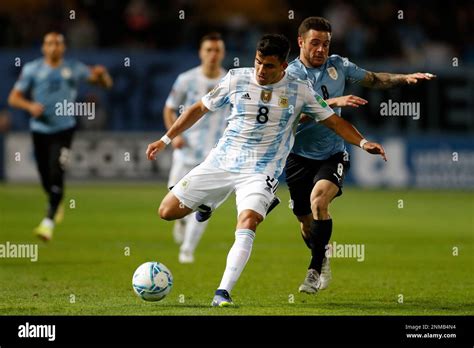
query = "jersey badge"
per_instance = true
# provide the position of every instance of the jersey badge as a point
(266, 96)
(283, 102)
(332, 72)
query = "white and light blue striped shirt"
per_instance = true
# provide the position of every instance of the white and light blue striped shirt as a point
(262, 120)
(188, 88)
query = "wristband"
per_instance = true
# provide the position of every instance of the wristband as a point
(166, 139)
(362, 143)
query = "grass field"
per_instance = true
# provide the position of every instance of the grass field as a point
(408, 252)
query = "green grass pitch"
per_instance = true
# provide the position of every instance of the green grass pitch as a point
(418, 259)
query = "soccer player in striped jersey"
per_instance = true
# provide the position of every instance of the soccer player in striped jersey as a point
(192, 147)
(317, 164)
(266, 104)
(52, 81)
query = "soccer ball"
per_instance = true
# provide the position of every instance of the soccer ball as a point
(152, 281)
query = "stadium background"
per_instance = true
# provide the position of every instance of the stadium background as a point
(146, 44)
(409, 251)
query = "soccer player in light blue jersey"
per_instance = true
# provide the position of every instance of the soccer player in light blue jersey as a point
(44, 87)
(317, 164)
(192, 147)
(266, 104)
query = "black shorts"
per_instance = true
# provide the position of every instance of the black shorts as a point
(302, 173)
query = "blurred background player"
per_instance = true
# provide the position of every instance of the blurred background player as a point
(317, 164)
(43, 83)
(192, 147)
(266, 105)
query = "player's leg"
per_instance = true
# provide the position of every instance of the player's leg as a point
(41, 147)
(253, 197)
(58, 161)
(192, 235)
(329, 180)
(178, 170)
(172, 208)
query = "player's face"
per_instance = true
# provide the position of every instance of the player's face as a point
(314, 47)
(53, 46)
(268, 69)
(212, 52)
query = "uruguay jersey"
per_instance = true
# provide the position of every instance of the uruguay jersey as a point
(49, 86)
(188, 88)
(314, 140)
(262, 120)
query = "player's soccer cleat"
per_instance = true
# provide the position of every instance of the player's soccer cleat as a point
(44, 230)
(275, 201)
(326, 275)
(59, 216)
(222, 299)
(186, 257)
(204, 213)
(179, 229)
(311, 282)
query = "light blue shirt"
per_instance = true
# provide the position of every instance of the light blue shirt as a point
(315, 141)
(49, 86)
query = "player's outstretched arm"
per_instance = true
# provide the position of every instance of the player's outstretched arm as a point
(16, 99)
(346, 100)
(383, 80)
(100, 77)
(350, 134)
(186, 120)
(169, 118)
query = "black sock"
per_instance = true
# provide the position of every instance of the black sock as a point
(55, 198)
(307, 240)
(321, 231)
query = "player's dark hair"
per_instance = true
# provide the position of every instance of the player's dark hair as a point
(213, 36)
(274, 45)
(314, 23)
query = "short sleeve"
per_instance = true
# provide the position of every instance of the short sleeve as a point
(177, 95)
(219, 96)
(82, 71)
(315, 106)
(352, 72)
(25, 81)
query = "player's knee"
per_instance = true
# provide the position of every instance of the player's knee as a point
(320, 205)
(249, 219)
(166, 213)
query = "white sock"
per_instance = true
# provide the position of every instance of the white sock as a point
(237, 258)
(47, 222)
(193, 232)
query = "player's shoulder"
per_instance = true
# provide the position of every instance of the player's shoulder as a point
(242, 72)
(190, 74)
(296, 68)
(337, 60)
(33, 65)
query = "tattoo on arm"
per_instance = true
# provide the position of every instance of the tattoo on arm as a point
(382, 80)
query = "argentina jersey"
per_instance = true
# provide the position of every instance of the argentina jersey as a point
(262, 120)
(188, 88)
(48, 86)
(313, 140)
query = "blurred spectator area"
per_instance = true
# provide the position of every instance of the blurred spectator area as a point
(161, 38)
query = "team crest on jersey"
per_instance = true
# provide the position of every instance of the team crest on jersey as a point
(332, 72)
(266, 96)
(283, 102)
(66, 73)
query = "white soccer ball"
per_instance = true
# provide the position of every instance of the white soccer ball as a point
(152, 281)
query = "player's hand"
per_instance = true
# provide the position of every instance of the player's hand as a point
(178, 142)
(36, 109)
(375, 149)
(347, 100)
(153, 149)
(411, 79)
(305, 118)
(99, 70)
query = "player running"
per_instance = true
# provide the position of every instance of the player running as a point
(50, 80)
(266, 103)
(192, 146)
(318, 162)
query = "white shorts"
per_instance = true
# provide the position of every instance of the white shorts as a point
(211, 186)
(179, 168)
